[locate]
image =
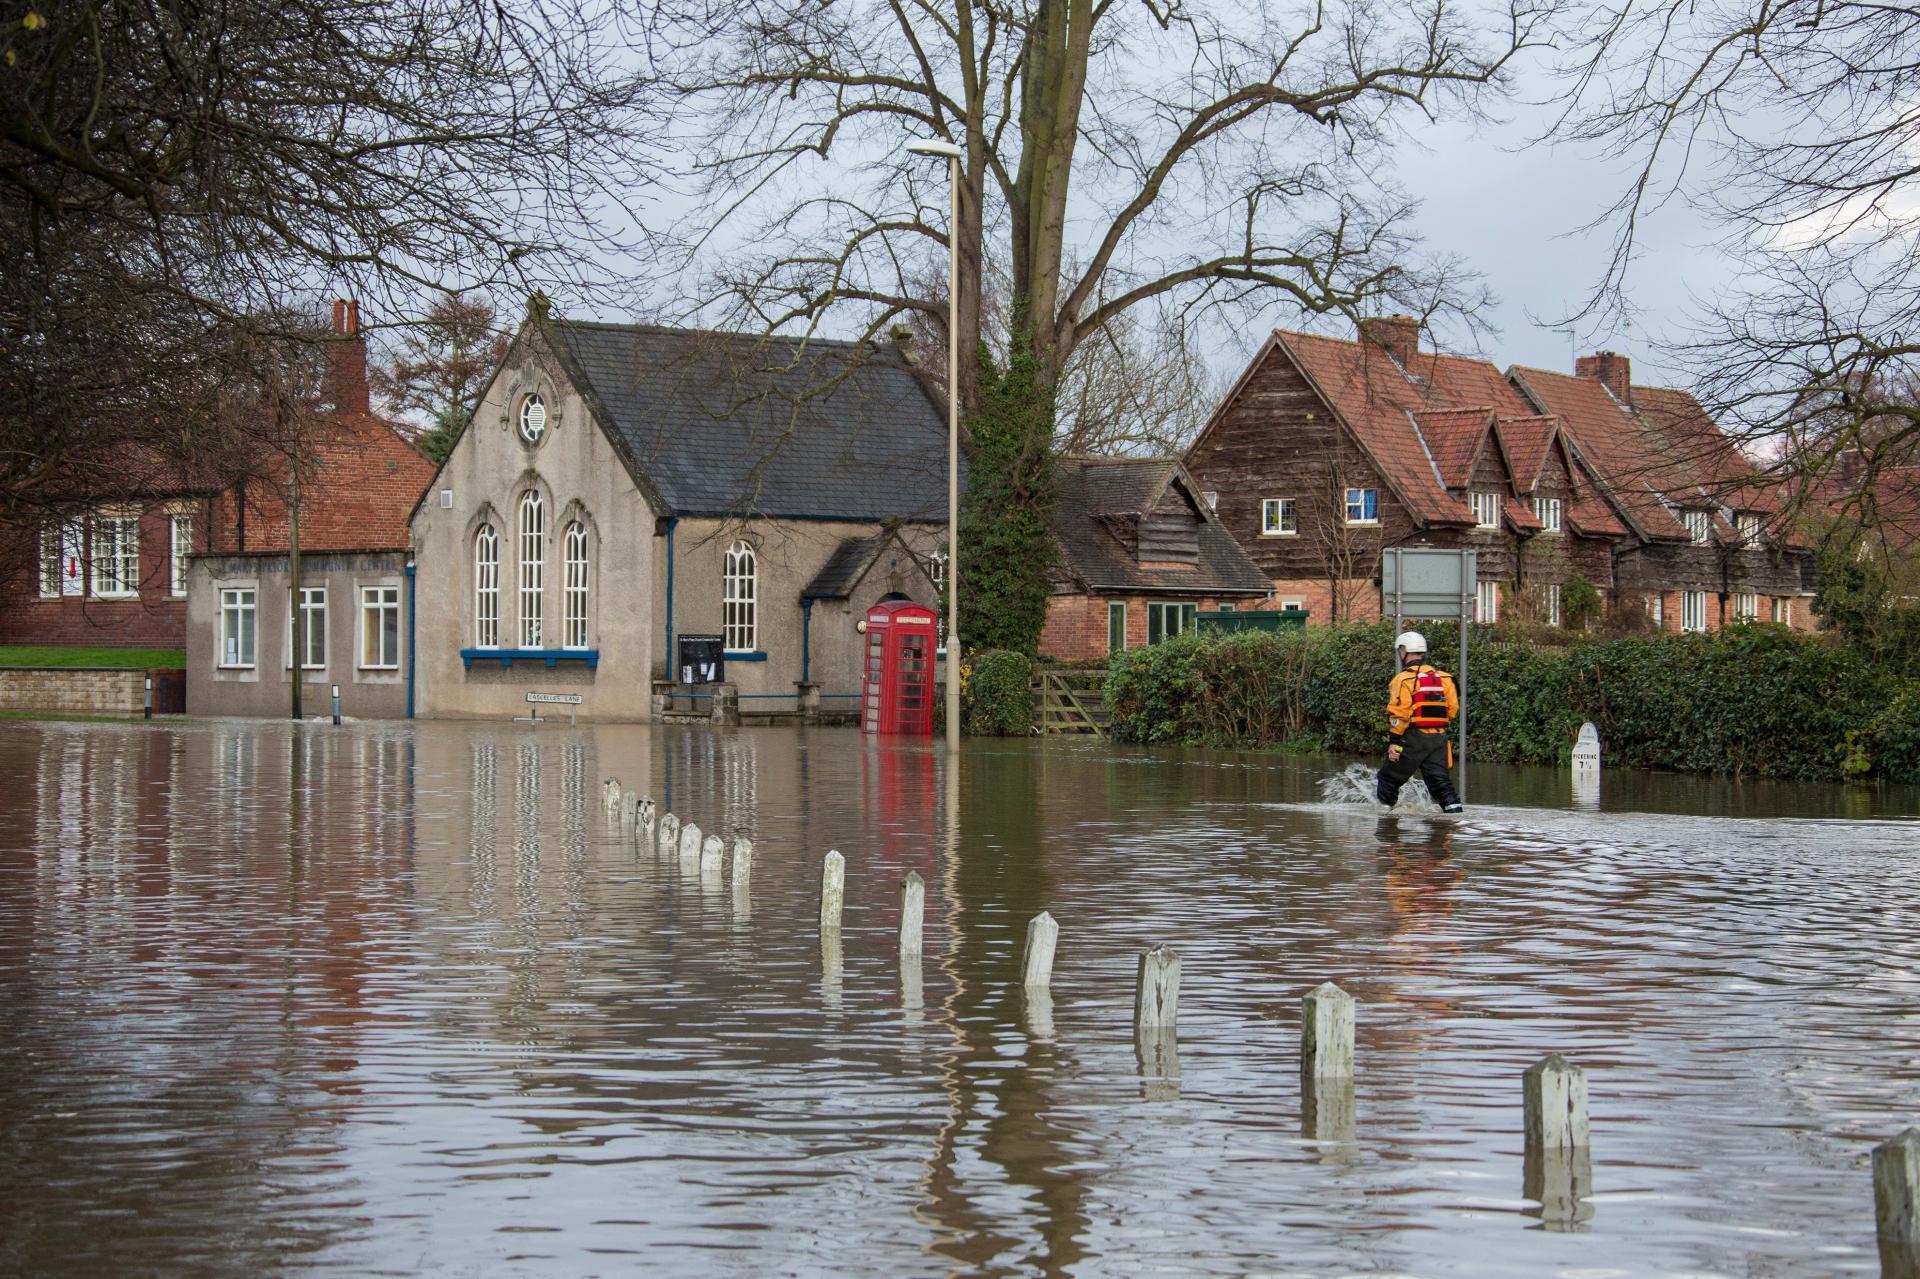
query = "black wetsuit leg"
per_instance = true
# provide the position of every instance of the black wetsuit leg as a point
(1424, 753)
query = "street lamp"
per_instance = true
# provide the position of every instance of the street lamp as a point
(952, 153)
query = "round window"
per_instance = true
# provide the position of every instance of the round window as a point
(533, 419)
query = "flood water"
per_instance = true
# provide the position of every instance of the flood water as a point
(402, 1000)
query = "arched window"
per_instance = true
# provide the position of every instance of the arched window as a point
(573, 613)
(740, 600)
(486, 588)
(533, 531)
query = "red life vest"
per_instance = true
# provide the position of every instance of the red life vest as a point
(1430, 699)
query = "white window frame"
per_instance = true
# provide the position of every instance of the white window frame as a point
(1360, 498)
(313, 600)
(239, 619)
(740, 599)
(486, 587)
(179, 546)
(1486, 509)
(1212, 498)
(52, 562)
(1486, 601)
(379, 620)
(1746, 606)
(531, 578)
(115, 557)
(1699, 525)
(1548, 511)
(576, 563)
(1185, 618)
(1783, 610)
(1751, 526)
(1657, 609)
(1693, 611)
(1298, 606)
(1550, 593)
(1279, 517)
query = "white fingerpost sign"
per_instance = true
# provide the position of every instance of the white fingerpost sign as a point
(536, 700)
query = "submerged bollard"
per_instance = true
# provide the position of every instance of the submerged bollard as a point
(1554, 1093)
(913, 912)
(1156, 998)
(1896, 1189)
(690, 843)
(742, 863)
(629, 808)
(713, 852)
(1036, 969)
(643, 817)
(610, 794)
(149, 703)
(669, 834)
(1326, 1033)
(833, 891)
(336, 706)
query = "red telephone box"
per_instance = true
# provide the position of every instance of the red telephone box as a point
(897, 687)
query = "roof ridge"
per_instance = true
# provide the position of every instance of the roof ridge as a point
(677, 330)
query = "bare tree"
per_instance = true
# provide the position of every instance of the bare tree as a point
(440, 367)
(174, 176)
(1792, 124)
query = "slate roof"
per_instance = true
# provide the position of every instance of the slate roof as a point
(725, 424)
(1092, 553)
(843, 569)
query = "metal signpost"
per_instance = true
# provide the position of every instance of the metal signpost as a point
(1424, 582)
(536, 700)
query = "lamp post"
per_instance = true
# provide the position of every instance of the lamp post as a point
(952, 153)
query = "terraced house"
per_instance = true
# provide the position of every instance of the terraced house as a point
(1327, 451)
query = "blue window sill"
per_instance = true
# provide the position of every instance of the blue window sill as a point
(743, 657)
(551, 656)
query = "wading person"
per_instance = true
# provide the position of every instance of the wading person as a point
(1421, 704)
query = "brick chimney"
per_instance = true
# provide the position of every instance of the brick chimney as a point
(1398, 335)
(346, 384)
(1611, 369)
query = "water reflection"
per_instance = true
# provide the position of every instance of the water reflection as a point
(401, 999)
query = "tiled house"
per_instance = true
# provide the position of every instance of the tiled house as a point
(627, 495)
(1707, 542)
(1141, 554)
(1327, 451)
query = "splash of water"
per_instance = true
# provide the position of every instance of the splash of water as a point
(1354, 785)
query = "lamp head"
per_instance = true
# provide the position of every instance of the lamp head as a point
(932, 147)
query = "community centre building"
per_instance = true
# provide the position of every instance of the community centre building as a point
(645, 516)
(1327, 451)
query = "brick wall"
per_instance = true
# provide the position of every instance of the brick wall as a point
(156, 619)
(1076, 626)
(73, 692)
(1359, 599)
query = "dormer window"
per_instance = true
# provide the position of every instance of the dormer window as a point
(1750, 526)
(1547, 511)
(1486, 509)
(1699, 524)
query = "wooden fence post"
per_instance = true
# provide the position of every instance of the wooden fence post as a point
(913, 912)
(1156, 997)
(1326, 1033)
(1896, 1189)
(669, 834)
(1554, 1093)
(1036, 970)
(833, 892)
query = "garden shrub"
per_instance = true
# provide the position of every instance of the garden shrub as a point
(998, 693)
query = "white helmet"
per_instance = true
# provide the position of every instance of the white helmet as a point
(1411, 642)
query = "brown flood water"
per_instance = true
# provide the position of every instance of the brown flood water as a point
(401, 1000)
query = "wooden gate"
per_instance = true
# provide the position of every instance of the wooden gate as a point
(1072, 701)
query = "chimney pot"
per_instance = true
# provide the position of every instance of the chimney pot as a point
(1610, 369)
(347, 387)
(1398, 335)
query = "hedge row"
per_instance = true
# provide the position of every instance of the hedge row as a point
(1749, 700)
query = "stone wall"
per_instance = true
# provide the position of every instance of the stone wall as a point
(64, 691)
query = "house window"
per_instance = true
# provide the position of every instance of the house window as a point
(1486, 509)
(740, 599)
(50, 563)
(533, 530)
(237, 627)
(379, 628)
(313, 617)
(533, 419)
(573, 604)
(486, 588)
(1116, 626)
(1657, 609)
(1363, 506)
(1550, 596)
(1164, 621)
(1547, 511)
(1277, 517)
(1783, 610)
(179, 546)
(1486, 601)
(116, 555)
(1699, 524)
(1212, 499)
(1746, 606)
(1749, 525)
(1693, 610)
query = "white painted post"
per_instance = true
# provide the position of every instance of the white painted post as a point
(1043, 935)
(669, 833)
(1554, 1094)
(713, 853)
(913, 911)
(610, 794)
(1156, 997)
(1586, 750)
(742, 863)
(833, 892)
(1326, 1033)
(644, 816)
(690, 843)
(1896, 1189)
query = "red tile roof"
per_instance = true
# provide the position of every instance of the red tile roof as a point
(1521, 516)
(1455, 438)
(362, 487)
(1630, 459)
(1528, 441)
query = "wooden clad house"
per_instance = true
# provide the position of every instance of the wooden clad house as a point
(1140, 556)
(1327, 451)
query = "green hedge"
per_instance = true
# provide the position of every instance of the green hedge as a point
(997, 693)
(1755, 700)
